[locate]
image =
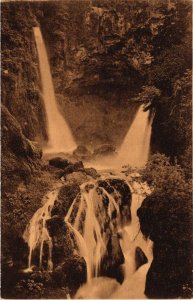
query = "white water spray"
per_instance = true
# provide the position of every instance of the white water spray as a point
(91, 243)
(60, 138)
(36, 233)
(135, 148)
(136, 145)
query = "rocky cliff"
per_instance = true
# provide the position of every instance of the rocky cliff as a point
(21, 87)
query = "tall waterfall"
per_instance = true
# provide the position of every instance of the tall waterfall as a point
(136, 145)
(94, 217)
(60, 138)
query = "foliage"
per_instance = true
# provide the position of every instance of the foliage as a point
(164, 177)
(172, 128)
(166, 217)
(148, 94)
(29, 288)
(171, 192)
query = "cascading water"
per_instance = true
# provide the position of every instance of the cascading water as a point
(36, 232)
(133, 285)
(135, 148)
(93, 218)
(60, 138)
(136, 145)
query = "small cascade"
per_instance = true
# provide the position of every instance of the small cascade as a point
(94, 217)
(36, 233)
(132, 236)
(60, 138)
(136, 145)
(133, 285)
(91, 241)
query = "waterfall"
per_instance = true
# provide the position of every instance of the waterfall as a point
(36, 232)
(136, 145)
(94, 217)
(92, 241)
(133, 285)
(60, 138)
(135, 148)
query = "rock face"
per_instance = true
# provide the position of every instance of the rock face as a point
(20, 76)
(106, 47)
(20, 156)
(170, 271)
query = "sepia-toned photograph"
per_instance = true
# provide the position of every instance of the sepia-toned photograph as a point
(96, 149)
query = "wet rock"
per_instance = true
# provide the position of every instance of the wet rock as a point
(140, 258)
(122, 187)
(82, 153)
(74, 167)
(59, 162)
(77, 177)
(55, 224)
(71, 273)
(92, 172)
(89, 187)
(105, 149)
(113, 259)
(66, 196)
(104, 184)
(122, 195)
(61, 239)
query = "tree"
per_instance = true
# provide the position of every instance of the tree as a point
(166, 217)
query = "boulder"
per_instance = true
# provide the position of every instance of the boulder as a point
(59, 162)
(140, 258)
(62, 242)
(122, 194)
(74, 167)
(170, 270)
(66, 196)
(71, 273)
(113, 259)
(92, 172)
(77, 177)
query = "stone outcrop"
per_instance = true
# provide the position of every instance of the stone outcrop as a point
(168, 226)
(21, 86)
(21, 157)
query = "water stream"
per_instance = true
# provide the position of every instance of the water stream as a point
(60, 138)
(136, 145)
(87, 219)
